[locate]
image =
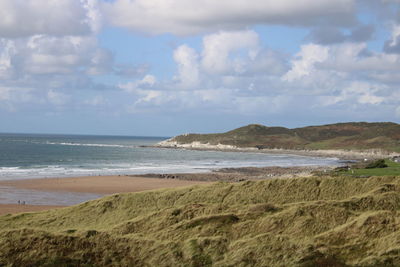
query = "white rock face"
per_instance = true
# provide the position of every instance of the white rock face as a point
(172, 143)
(197, 145)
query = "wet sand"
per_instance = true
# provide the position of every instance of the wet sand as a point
(102, 185)
(99, 184)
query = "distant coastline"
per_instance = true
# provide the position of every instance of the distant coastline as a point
(347, 141)
(335, 153)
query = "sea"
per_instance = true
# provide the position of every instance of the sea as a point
(25, 156)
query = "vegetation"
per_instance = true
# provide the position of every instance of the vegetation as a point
(380, 163)
(348, 136)
(375, 168)
(316, 221)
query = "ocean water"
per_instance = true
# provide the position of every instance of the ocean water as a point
(37, 156)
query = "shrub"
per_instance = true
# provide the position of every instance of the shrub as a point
(380, 163)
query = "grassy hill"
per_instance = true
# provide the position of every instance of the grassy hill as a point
(317, 221)
(349, 136)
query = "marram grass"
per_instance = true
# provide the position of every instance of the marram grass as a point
(317, 221)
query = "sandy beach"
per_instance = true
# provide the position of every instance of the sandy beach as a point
(98, 184)
(102, 185)
(105, 185)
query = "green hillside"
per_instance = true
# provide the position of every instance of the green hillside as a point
(355, 135)
(318, 221)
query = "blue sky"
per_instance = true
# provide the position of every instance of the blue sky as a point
(165, 67)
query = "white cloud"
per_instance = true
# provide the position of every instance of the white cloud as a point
(393, 45)
(56, 49)
(50, 45)
(93, 14)
(150, 95)
(7, 50)
(345, 75)
(219, 47)
(352, 57)
(12, 97)
(101, 62)
(325, 77)
(328, 69)
(395, 35)
(188, 66)
(23, 18)
(365, 92)
(42, 54)
(357, 92)
(269, 62)
(228, 74)
(305, 61)
(370, 99)
(147, 82)
(194, 16)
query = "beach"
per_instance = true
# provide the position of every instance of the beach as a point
(46, 171)
(321, 153)
(45, 156)
(106, 185)
(101, 185)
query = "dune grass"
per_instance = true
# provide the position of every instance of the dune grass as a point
(315, 221)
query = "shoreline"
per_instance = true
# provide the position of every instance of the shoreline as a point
(106, 185)
(328, 153)
(100, 185)
(240, 174)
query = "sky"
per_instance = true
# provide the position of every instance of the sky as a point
(166, 67)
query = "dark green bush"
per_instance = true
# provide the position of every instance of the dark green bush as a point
(380, 163)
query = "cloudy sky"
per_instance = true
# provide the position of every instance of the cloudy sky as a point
(163, 67)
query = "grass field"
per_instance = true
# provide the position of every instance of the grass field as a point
(392, 169)
(315, 221)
